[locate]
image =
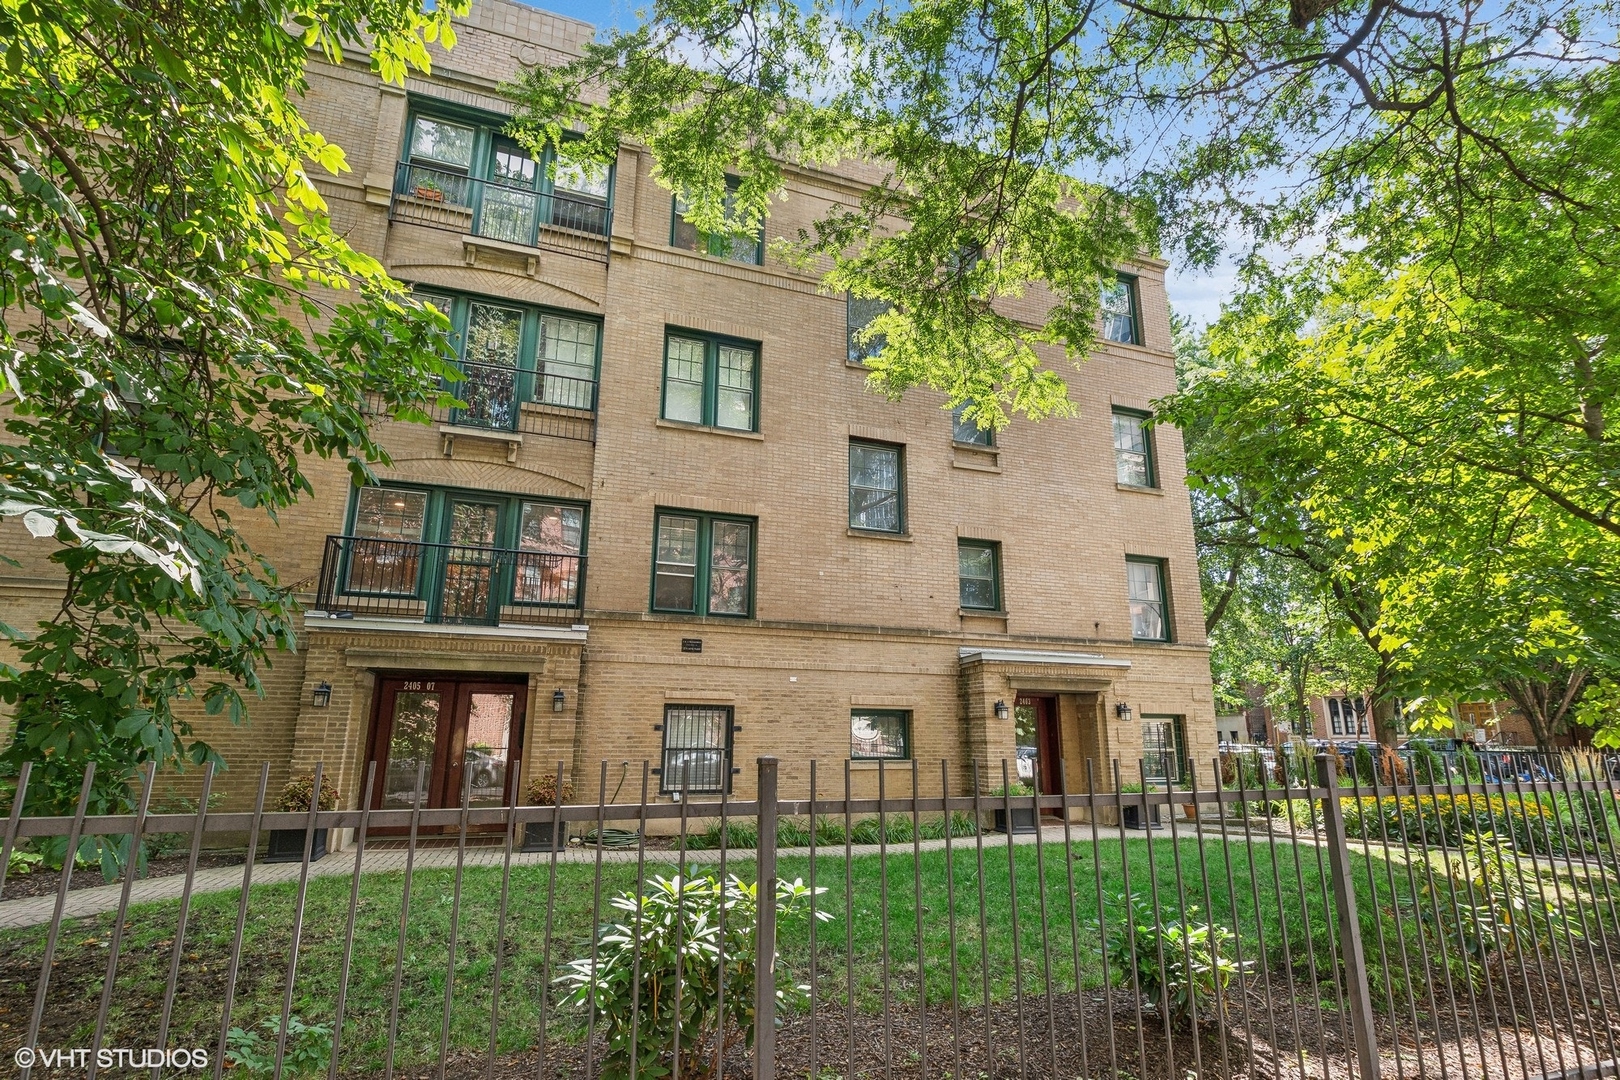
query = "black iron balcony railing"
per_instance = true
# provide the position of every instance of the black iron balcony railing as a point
(442, 199)
(501, 398)
(450, 583)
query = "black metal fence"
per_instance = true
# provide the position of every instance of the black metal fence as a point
(446, 199)
(449, 583)
(1382, 929)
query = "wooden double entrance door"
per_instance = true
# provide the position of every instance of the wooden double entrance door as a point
(433, 734)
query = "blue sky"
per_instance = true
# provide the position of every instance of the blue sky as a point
(1197, 295)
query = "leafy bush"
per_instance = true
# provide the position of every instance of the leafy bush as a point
(543, 790)
(307, 1053)
(1197, 958)
(695, 932)
(1494, 901)
(1445, 820)
(296, 795)
(23, 862)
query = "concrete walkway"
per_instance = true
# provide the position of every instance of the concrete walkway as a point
(38, 910)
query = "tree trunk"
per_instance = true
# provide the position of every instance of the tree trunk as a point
(1547, 701)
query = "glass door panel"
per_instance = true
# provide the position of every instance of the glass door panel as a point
(488, 752)
(470, 563)
(411, 728)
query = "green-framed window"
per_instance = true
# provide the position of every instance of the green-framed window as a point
(1133, 449)
(461, 158)
(859, 313)
(968, 432)
(1150, 607)
(1121, 320)
(464, 553)
(696, 757)
(711, 380)
(877, 486)
(516, 355)
(736, 248)
(703, 564)
(880, 735)
(1164, 749)
(978, 569)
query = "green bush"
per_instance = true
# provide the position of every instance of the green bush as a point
(694, 932)
(1197, 958)
(1530, 822)
(307, 1052)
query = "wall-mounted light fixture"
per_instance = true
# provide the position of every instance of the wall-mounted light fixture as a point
(322, 697)
(1123, 711)
(558, 700)
(1002, 712)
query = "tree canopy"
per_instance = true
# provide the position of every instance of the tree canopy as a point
(1054, 141)
(181, 328)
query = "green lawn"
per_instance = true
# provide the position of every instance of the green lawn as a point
(1291, 895)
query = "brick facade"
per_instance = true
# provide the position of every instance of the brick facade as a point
(840, 620)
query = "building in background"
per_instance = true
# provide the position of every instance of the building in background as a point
(670, 523)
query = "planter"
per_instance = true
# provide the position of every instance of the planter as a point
(1023, 821)
(428, 194)
(538, 836)
(1190, 810)
(287, 845)
(1131, 814)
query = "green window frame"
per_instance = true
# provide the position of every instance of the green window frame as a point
(1134, 464)
(968, 432)
(710, 380)
(1149, 598)
(734, 248)
(516, 355)
(385, 518)
(880, 735)
(978, 572)
(703, 564)
(1121, 317)
(465, 154)
(1164, 749)
(877, 487)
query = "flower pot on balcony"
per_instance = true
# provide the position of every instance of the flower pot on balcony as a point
(287, 845)
(1023, 820)
(429, 194)
(545, 836)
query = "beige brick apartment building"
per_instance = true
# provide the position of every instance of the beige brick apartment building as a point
(672, 524)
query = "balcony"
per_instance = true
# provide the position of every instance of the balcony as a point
(459, 584)
(442, 199)
(504, 399)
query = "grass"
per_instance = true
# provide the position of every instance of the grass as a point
(1057, 942)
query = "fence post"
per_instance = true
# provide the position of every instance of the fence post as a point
(765, 927)
(1358, 989)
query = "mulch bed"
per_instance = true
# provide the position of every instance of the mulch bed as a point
(47, 882)
(1023, 1044)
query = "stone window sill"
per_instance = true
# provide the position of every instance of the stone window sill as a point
(1140, 489)
(871, 534)
(680, 425)
(981, 613)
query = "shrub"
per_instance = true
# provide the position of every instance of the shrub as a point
(1197, 958)
(1366, 765)
(543, 790)
(1445, 820)
(296, 795)
(696, 931)
(307, 1052)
